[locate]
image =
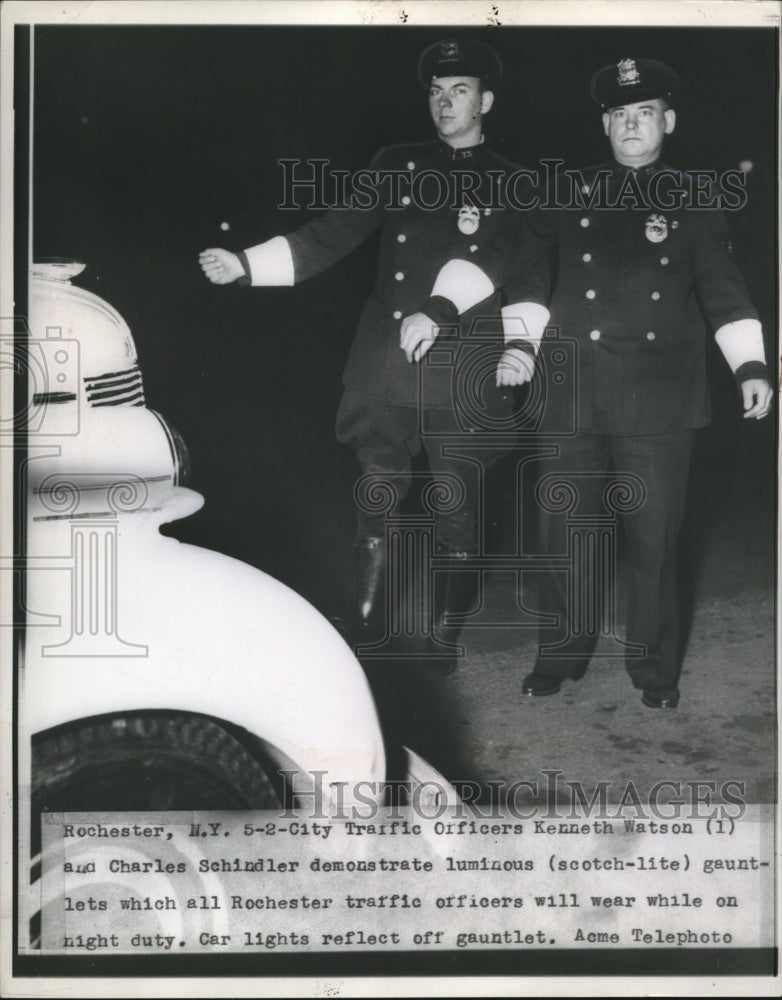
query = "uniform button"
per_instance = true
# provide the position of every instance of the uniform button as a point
(650, 335)
(591, 293)
(586, 257)
(406, 200)
(397, 315)
(585, 188)
(487, 211)
(411, 165)
(655, 296)
(663, 261)
(400, 276)
(594, 335)
(401, 238)
(473, 248)
(585, 222)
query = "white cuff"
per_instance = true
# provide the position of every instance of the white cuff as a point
(465, 284)
(271, 263)
(740, 342)
(525, 321)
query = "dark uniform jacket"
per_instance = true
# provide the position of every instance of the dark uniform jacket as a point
(635, 289)
(416, 242)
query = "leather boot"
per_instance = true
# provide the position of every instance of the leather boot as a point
(454, 595)
(370, 576)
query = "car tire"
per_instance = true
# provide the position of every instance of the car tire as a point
(146, 762)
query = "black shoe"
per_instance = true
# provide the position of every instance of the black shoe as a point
(539, 684)
(660, 697)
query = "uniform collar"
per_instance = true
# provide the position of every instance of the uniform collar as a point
(620, 169)
(465, 154)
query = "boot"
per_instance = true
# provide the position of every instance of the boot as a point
(370, 576)
(454, 595)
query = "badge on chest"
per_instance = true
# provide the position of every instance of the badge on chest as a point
(656, 228)
(468, 220)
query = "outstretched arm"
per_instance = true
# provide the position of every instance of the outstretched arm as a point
(269, 263)
(304, 253)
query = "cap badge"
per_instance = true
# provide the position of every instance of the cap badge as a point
(449, 50)
(627, 73)
(469, 219)
(656, 228)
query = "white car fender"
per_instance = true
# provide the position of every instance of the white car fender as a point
(193, 630)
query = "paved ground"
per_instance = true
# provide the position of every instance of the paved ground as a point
(475, 725)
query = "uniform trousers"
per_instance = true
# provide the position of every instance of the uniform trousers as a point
(655, 469)
(387, 438)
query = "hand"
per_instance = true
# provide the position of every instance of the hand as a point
(515, 367)
(758, 395)
(220, 266)
(417, 336)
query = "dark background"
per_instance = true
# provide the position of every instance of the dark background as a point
(147, 138)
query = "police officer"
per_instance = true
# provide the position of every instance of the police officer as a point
(643, 268)
(449, 203)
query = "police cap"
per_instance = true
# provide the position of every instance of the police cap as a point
(453, 57)
(634, 80)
